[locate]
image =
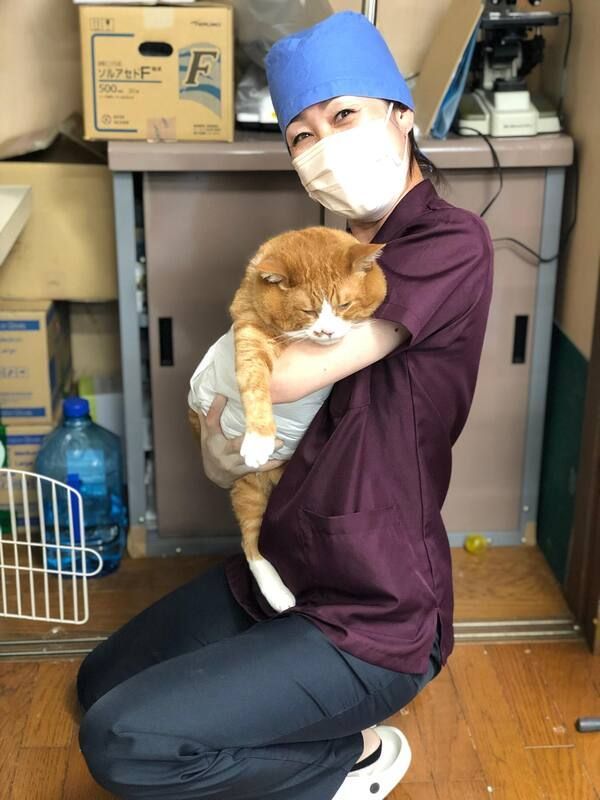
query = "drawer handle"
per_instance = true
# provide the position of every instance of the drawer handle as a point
(165, 341)
(520, 339)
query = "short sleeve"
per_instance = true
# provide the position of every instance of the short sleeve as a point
(435, 274)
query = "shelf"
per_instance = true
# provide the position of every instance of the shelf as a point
(256, 152)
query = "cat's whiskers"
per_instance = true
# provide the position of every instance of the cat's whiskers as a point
(304, 333)
(301, 334)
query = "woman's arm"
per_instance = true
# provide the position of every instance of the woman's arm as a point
(305, 366)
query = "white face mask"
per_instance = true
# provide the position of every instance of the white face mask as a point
(356, 173)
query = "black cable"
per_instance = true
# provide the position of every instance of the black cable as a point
(496, 161)
(567, 233)
(498, 168)
(529, 250)
(563, 76)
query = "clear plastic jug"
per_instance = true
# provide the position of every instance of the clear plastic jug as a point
(88, 458)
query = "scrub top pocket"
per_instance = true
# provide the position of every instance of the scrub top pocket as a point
(353, 556)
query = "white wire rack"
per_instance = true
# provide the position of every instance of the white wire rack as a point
(44, 562)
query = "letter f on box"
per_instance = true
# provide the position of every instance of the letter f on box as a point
(201, 65)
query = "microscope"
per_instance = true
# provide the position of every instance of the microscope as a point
(510, 45)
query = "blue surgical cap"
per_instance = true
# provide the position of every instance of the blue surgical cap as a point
(343, 54)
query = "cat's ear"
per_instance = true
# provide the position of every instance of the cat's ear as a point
(364, 256)
(270, 271)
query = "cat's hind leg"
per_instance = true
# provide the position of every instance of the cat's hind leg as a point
(249, 498)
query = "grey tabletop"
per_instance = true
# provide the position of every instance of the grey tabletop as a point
(267, 151)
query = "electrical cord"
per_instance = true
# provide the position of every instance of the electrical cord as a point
(495, 159)
(564, 239)
(563, 76)
(498, 167)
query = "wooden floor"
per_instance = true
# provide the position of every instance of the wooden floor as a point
(505, 583)
(497, 723)
(502, 583)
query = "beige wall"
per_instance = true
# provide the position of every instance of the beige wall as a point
(409, 25)
(579, 265)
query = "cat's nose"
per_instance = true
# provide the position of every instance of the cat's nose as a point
(323, 332)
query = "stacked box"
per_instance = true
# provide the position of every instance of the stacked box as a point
(35, 360)
(66, 251)
(159, 73)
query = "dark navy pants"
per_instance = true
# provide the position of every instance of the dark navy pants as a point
(192, 698)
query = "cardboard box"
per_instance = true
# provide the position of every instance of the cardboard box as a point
(442, 60)
(40, 72)
(158, 73)
(35, 360)
(15, 209)
(67, 249)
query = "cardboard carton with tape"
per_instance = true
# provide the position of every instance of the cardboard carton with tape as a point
(158, 73)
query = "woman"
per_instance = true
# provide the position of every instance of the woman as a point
(211, 693)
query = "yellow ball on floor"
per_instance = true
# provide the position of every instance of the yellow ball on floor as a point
(475, 543)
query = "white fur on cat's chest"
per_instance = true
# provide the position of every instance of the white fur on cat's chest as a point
(216, 374)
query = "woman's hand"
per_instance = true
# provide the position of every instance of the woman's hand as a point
(221, 456)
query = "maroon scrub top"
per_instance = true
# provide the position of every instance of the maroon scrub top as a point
(354, 526)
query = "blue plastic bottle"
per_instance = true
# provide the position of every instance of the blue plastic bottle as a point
(87, 457)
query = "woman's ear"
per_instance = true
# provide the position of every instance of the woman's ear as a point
(404, 118)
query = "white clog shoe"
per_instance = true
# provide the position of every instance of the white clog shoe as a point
(377, 780)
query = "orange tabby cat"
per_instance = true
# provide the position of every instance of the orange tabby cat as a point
(314, 283)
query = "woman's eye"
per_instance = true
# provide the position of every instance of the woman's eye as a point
(299, 137)
(345, 112)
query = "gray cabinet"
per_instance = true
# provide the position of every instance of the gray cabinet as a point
(201, 229)
(489, 457)
(207, 208)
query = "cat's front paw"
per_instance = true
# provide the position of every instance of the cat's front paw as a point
(256, 449)
(273, 588)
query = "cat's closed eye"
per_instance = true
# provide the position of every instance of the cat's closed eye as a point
(344, 305)
(310, 311)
